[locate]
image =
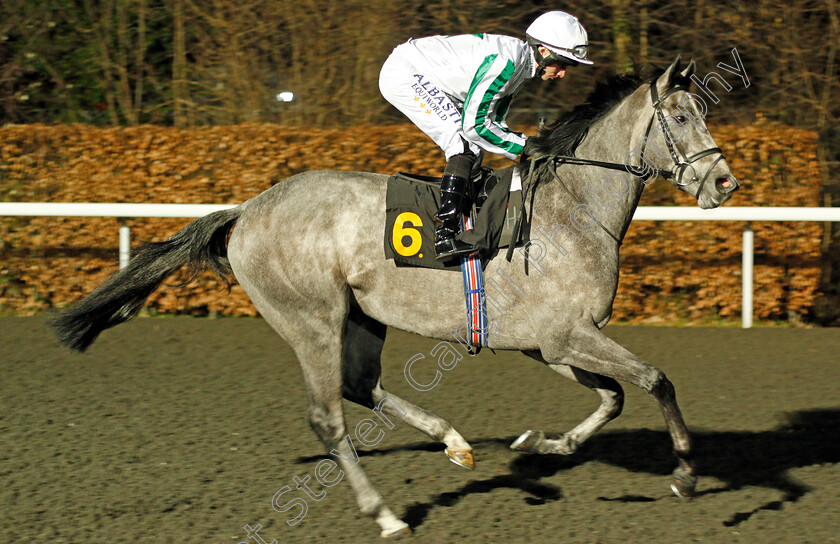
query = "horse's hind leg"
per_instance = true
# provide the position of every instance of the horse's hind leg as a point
(364, 338)
(612, 401)
(315, 334)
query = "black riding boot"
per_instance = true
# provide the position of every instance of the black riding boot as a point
(453, 189)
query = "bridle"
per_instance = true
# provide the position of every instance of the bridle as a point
(681, 163)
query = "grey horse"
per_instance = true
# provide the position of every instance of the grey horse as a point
(309, 253)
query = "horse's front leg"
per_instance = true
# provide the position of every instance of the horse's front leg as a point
(612, 401)
(590, 349)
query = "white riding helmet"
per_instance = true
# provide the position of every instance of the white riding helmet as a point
(562, 34)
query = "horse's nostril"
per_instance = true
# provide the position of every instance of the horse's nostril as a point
(725, 185)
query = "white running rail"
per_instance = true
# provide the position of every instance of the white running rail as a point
(643, 213)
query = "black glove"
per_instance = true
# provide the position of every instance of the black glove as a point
(528, 151)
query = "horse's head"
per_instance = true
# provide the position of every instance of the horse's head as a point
(683, 145)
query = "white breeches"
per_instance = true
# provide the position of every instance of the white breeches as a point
(412, 92)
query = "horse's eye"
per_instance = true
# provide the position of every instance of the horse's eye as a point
(680, 119)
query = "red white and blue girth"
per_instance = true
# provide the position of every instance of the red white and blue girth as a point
(474, 292)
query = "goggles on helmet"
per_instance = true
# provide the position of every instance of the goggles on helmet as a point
(579, 52)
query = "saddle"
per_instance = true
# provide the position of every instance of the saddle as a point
(412, 200)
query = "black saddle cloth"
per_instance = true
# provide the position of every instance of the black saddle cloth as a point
(411, 202)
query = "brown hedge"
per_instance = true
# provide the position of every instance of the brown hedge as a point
(670, 270)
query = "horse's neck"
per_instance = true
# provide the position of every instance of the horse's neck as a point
(611, 139)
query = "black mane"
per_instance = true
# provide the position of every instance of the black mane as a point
(564, 135)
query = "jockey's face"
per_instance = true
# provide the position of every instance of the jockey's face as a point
(554, 70)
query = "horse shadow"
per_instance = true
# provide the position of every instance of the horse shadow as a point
(736, 458)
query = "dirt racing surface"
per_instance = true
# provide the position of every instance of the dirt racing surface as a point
(184, 430)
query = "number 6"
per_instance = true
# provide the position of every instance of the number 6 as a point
(400, 232)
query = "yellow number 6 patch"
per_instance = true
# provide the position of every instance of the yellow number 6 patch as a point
(400, 232)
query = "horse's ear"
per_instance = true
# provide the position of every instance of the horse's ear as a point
(666, 80)
(674, 70)
(688, 71)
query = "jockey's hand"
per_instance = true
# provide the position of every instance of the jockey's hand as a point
(528, 151)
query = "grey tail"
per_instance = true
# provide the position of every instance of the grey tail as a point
(200, 245)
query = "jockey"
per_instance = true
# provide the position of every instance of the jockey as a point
(457, 89)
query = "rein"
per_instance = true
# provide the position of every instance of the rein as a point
(680, 164)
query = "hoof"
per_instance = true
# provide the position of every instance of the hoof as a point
(463, 458)
(683, 485)
(530, 441)
(397, 533)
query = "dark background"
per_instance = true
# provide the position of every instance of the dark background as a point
(200, 62)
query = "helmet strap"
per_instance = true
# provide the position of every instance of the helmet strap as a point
(541, 60)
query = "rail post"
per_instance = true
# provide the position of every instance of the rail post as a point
(125, 243)
(747, 279)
